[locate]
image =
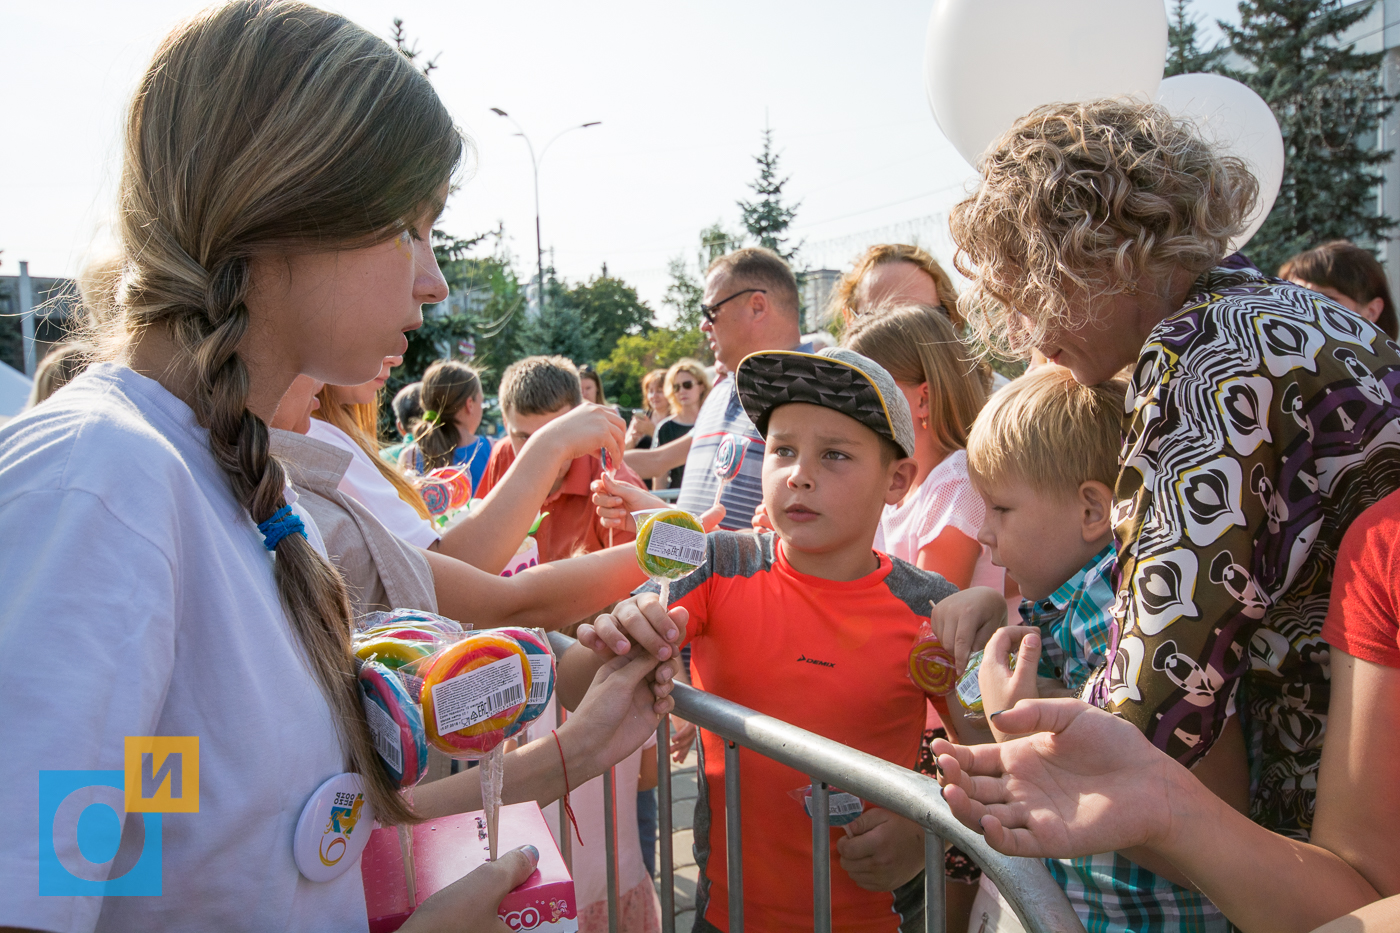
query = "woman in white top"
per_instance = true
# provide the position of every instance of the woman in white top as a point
(282, 170)
(935, 525)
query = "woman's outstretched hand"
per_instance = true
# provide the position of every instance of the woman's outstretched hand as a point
(1076, 782)
(621, 710)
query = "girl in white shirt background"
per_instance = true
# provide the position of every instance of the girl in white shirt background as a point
(282, 171)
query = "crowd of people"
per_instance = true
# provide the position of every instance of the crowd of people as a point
(1162, 560)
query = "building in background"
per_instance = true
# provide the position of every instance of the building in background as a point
(815, 286)
(57, 310)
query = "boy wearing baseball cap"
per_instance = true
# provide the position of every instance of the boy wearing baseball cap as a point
(808, 624)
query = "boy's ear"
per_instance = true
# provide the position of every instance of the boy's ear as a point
(1096, 510)
(901, 479)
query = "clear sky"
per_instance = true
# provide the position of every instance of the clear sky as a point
(682, 90)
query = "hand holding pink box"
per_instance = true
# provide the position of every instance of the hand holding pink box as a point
(447, 849)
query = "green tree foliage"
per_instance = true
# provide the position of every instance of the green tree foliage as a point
(610, 309)
(561, 328)
(767, 218)
(1184, 52)
(715, 241)
(635, 355)
(1329, 102)
(684, 294)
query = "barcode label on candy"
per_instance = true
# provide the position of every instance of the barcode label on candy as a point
(477, 695)
(539, 678)
(676, 543)
(385, 733)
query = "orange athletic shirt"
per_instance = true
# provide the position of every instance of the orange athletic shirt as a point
(572, 526)
(827, 656)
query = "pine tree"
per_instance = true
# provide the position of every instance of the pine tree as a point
(768, 218)
(1184, 53)
(1329, 102)
(684, 294)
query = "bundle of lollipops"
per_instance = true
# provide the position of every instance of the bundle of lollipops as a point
(426, 680)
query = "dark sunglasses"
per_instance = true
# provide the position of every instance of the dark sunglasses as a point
(708, 311)
(686, 386)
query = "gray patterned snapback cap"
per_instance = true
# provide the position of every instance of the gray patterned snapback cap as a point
(834, 378)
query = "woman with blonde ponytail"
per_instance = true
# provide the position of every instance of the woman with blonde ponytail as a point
(282, 170)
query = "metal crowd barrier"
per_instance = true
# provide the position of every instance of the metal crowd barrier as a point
(1038, 902)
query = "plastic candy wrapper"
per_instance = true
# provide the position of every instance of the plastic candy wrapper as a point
(729, 458)
(400, 638)
(542, 673)
(969, 691)
(841, 807)
(670, 545)
(395, 723)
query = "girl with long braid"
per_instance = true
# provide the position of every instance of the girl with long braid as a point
(282, 170)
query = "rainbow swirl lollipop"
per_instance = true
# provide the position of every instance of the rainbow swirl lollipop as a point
(437, 497)
(459, 485)
(395, 652)
(473, 691)
(396, 724)
(931, 667)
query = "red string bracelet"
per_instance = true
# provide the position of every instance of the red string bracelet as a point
(567, 809)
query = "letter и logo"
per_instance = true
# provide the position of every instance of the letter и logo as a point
(100, 831)
(162, 774)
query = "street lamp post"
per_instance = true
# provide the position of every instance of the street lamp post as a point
(535, 164)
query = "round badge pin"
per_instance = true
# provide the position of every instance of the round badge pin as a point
(333, 828)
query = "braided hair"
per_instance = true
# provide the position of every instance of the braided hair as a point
(263, 126)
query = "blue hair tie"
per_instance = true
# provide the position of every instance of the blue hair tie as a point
(282, 523)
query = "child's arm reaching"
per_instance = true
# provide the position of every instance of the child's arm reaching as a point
(964, 621)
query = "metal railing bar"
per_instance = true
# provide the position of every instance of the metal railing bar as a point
(935, 901)
(663, 825)
(733, 836)
(610, 844)
(1039, 903)
(821, 857)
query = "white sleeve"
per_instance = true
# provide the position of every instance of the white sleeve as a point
(87, 647)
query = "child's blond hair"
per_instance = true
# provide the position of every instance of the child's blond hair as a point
(1050, 432)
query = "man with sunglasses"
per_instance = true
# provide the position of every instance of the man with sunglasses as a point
(750, 305)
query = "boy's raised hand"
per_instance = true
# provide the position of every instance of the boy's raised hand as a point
(965, 621)
(615, 501)
(881, 850)
(640, 619)
(1001, 686)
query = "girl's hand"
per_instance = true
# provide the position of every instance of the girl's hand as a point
(583, 432)
(1001, 686)
(471, 904)
(965, 621)
(1084, 782)
(641, 619)
(619, 713)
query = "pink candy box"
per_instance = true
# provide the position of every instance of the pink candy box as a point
(448, 848)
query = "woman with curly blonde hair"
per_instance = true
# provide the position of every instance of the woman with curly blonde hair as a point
(1259, 423)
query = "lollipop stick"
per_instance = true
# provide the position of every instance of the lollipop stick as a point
(719, 493)
(665, 593)
(406, 849)
(493, 772)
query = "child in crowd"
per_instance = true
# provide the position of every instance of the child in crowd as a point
(935, 525)
(808, 624)
(445, 433)
(534, 392)
(348, 417)
(1044, 456)
(408, 408)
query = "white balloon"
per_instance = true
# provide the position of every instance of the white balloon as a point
(989, 62)
(1239, 123)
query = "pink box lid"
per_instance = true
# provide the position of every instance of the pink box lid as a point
(448, 848)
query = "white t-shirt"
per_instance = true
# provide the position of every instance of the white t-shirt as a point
(139, 600)
(366, 485)
(944, 500)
